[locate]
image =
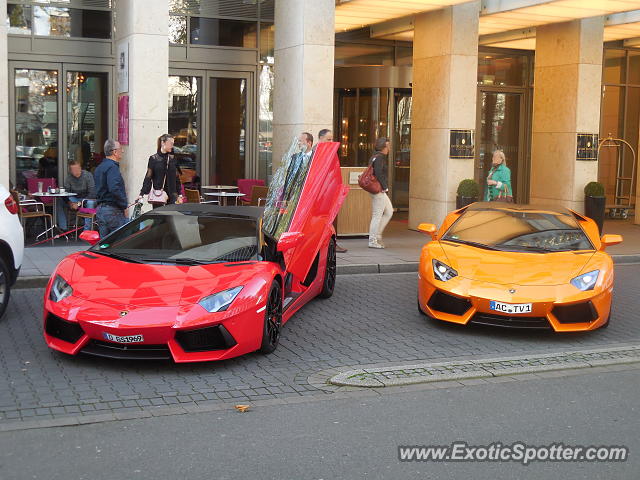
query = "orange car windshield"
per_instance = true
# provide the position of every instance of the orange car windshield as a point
(519, 231)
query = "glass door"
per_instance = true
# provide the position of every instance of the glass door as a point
(87, 116)
(185, 120)
(499, 127)
(230, 131)
(58, 113)
(401, 145)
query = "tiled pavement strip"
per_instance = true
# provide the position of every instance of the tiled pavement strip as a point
(370, 322)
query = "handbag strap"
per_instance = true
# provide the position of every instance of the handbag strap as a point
(164, 180)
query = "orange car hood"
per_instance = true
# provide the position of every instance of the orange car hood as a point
(515, 268)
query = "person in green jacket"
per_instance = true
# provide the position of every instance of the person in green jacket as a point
(499, 178)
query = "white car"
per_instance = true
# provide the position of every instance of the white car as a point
(11, 246)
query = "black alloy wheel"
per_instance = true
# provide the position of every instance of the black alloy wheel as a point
(272, 319)
(330, 272)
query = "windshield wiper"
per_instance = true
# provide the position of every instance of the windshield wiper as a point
(473, 244)
(116, 256)
(530, 248)
(181, 261)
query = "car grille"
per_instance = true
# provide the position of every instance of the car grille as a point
(576, 313)
(62, 329)
(205, 339)
(510, 322)
(99, 348)
(443, 302)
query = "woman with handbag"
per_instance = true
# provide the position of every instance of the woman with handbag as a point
(381, 207)
(162, 182)
(499, 180)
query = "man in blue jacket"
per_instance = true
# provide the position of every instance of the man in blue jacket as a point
(110, 192)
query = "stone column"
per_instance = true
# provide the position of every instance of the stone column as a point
(304, 51)
(4, 98)
(566, 101)
(144, 26)
(445, 65)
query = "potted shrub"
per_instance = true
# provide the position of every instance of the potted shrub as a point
(468, 191)
(594, 201)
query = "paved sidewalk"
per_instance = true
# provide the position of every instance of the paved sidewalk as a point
(400, 255)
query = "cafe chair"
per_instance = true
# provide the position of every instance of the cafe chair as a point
(244, 186)
(85, 210)
(32, 187)
(30, 208)
(258, 195)
(193, 196)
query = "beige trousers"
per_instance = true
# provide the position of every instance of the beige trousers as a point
(381, 212)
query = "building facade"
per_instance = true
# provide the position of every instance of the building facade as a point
(234, 80)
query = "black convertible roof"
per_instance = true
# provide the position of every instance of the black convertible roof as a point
(206, 208)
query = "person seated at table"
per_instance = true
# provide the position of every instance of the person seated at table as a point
(81, 183)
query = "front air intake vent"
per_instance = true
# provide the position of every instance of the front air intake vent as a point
(443, 302)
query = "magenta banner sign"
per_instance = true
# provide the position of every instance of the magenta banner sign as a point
(123, 119)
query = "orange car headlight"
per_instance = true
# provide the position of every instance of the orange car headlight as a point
(586, 281)
(442, 271)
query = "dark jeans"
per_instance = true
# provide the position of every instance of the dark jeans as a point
(110, 219)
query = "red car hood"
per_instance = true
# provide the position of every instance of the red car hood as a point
(121, 284)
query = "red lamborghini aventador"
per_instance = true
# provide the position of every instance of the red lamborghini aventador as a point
(197, 282)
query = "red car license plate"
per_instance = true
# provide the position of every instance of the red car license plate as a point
(124, 339)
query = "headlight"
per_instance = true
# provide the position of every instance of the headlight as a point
(586, 281)
(443, 272)
(60, 289)
(219, 302)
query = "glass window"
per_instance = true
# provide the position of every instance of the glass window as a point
(634, 67)
(614, 66)
(184, 124)
(519, 230)
(362, 54)
(87, 117)
(36, 97)
(226, 33)
(266, 42)
(19, 19)
(348, 108)
(227, 130)
(179, 237)
(502, 69)
(265, 120)
(631, 126)
(71, 22)
(404, 56)
(177, 30)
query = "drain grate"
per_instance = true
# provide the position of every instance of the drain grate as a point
(433, 372)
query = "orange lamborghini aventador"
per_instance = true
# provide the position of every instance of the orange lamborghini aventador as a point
(517, 266)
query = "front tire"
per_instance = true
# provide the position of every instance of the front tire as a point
(272, 319)
(5, 287)
(329, 282)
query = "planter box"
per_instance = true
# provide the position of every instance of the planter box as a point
(464, 201)
(594, 209)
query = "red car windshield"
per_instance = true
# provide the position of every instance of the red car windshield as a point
(177, 237)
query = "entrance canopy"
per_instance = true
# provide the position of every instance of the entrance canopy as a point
(503, 23)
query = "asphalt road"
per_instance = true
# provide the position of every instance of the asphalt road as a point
(371, 319)
(351, 438)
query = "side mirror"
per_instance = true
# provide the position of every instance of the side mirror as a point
(289, 240)
(90, 236)
(609, 240)
(429, 228)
